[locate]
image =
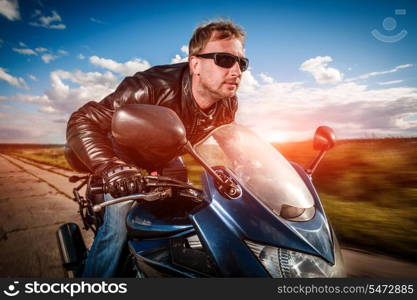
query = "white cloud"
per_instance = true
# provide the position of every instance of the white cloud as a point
(178, 59)
(41, 49)
(68, 91)
(21, 44)
(47, 58)
(46, 55)
(43, 99)
(390, 82)
(89, 86)
(33, 77)
(321, 72)
(52, 22)
(25, 51)
(184, 49)
(10, 9)
(367, 75)
(56, 26)
(265, 78)
(407, 121)
(48, 109)
(84, 79)
(63, 99)
(248, 84)
(18, 82)
(81, 56)
(128, 68)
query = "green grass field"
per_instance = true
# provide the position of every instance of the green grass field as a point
(368, 188)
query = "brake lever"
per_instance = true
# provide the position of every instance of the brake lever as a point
(147, 197)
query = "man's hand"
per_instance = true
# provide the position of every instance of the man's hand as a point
(122, 180)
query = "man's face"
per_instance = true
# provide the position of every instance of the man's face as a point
(219, 82)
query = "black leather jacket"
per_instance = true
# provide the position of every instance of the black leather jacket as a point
(89, 128)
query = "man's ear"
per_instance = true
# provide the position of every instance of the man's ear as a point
(194, 64)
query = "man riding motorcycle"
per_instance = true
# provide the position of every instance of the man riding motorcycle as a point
(203, 94)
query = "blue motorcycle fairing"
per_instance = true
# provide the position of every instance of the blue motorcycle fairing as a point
(224, 224)
(232, 256)
(319, 207)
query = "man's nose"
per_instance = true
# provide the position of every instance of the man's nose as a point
(235, 70)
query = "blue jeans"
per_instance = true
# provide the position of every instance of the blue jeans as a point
(104, 255)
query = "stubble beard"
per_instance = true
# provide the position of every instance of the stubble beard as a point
(220, 93)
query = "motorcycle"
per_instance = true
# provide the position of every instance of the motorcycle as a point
(257, 214)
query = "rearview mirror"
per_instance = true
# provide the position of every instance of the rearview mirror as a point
(155, 133)
(324, 138)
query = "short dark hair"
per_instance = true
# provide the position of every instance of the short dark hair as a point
(203, 33)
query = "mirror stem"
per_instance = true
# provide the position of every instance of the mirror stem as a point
(313, 165)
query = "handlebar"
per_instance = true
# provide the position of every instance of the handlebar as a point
(162, 184)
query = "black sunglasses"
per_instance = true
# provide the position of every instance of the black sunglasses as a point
(226, 60)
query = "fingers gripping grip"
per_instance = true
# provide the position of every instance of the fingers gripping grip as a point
(122, 180)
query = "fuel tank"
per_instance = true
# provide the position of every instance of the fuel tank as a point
(162, 218)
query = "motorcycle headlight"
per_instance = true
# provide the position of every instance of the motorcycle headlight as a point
(284, 263)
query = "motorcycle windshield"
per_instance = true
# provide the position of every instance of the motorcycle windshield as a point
(258, 166)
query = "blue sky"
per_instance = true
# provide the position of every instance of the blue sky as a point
(311, 62)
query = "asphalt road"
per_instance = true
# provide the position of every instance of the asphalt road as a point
(33, 203)
(36, 199)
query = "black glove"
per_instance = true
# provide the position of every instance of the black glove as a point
(122, 180)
